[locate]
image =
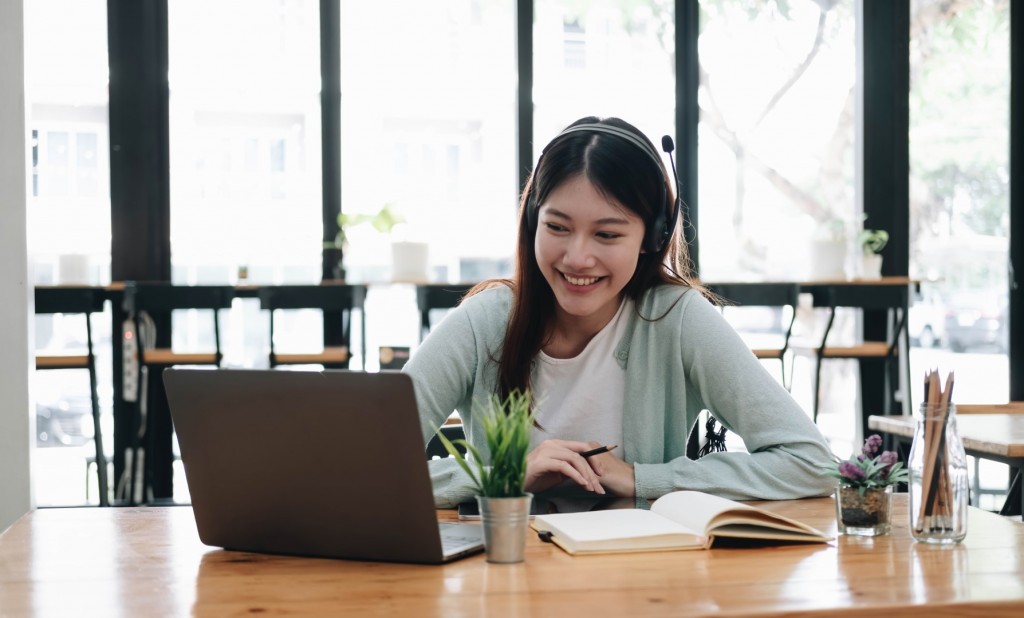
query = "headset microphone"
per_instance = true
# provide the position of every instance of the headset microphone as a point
(669, 147)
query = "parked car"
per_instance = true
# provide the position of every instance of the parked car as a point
(977, 321)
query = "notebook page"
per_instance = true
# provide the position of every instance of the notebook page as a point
(694, 509)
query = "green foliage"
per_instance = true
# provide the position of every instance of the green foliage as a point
(506, 424)
(872, 241)
(958, 98)
(869, 469)
(383, 221)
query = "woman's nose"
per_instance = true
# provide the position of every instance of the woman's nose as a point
(579, 253)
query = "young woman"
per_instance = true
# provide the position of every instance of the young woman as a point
(616, 342)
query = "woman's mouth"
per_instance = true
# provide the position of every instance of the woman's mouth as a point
(581, 281)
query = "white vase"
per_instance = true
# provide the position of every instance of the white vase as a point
(828, 259)
(410, 261)
(871, 266)
(73, 269)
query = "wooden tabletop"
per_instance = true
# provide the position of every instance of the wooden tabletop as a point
(149, 561)
(995, 434)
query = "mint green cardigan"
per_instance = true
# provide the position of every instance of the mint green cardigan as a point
(680, 360)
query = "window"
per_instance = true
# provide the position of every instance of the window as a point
(244, 156)
(595, 58)
(777, 106)
(66, 70)
(69, 233)
(245, 140)
(959, 192)
(428, 130)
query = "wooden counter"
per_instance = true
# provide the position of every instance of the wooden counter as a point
(149, 561)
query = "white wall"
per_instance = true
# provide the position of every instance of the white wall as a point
(15, 326)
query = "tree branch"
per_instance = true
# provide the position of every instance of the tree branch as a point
(799, 71)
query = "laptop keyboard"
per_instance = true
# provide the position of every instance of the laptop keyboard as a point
(456, 537)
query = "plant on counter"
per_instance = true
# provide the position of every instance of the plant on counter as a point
(872, 241)
(383, 221)
(864, 495)
(506, 424)
(870, 469)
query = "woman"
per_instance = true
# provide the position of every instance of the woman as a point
(615, 341)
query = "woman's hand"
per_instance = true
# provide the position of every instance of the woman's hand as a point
(617, 476)
(553, 461)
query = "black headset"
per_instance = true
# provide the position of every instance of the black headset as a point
(660, 230)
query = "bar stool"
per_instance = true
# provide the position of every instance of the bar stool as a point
(784, 296)
(331, 299)
(893, 299)
(145, 303)
(438, 296)
(84, 301)
(453, 430)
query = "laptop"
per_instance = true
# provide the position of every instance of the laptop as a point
(327, 464)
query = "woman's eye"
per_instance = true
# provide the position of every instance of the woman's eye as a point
(554, 227)
(608, 235)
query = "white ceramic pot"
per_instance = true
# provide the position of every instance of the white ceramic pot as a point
(73, 269)
(870, 266)
(410, 261)
(828, 259)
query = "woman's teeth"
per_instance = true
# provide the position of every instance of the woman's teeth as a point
(580, 280)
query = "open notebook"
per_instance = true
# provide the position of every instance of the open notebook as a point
(679, 520)
(310, 463)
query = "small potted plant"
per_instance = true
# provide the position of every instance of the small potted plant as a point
(871, 244)
(500, 477)
(864, 495)
(383, 221)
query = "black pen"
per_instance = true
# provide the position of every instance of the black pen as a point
(598, 450)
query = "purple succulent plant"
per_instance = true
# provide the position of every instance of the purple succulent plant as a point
(851, 471)
(871, 467)
(871, 445)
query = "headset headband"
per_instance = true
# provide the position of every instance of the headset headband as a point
(660, 230)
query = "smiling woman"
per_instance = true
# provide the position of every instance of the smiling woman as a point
(607, 329)
(587, 248)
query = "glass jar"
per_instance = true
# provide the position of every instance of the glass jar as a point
(939, 487)
(864, 512)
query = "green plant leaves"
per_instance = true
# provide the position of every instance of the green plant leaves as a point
(506, 424)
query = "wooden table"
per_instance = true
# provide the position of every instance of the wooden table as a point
(999, 437)
(149, 561)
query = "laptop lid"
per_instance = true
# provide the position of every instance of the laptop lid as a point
(327, 464)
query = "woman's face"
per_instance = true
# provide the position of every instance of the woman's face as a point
(587, 246)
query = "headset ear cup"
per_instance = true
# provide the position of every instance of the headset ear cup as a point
(661, 229)
(531, 213)
(655, 238)
(677, 207)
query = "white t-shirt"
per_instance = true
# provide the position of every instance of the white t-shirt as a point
(580, 398)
